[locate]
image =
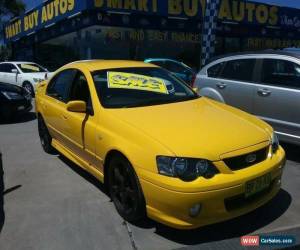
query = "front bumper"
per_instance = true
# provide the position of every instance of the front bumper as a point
(171, 207)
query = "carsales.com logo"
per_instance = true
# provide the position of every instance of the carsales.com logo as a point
(263, 240)
(250, 241)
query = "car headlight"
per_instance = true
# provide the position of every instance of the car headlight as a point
(12, 95)
(274, 142)
(37, 79)
(187, 169)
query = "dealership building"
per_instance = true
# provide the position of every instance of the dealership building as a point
(60, 31)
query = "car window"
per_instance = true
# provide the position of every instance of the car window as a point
(31, 68)
(79, 90)
(137, 87)
(59, 86)
(7, 67)
(281, 73)
(2, 68)
(175, 67)
(239, 70)
(159, 63)
(214, 71)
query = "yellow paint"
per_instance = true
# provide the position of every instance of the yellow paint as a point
(225, 10)
(98, 3)
(121, 80)
(116, 4)
(191, 7)
(238, 10)
(129, 4)
(262, 14)
(31, 20)
(273, 15)
(142, 5)
(200, 128)
(250, 7)
(13, 29)
(250, 12)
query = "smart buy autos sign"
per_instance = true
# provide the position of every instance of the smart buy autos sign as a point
(240, 11)
(48, 13)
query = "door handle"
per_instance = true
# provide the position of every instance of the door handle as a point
(264, 92)
(64, 117)
(221, 85)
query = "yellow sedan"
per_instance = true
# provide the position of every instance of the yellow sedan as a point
(161, 150)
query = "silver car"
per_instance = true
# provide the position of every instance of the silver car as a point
(266, 84)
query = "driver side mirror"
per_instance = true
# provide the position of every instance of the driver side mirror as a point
(15, 71)
(76, 106)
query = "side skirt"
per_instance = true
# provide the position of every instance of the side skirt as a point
(78, 161)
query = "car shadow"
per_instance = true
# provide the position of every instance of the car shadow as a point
(27, 117)
(233, 228)
(86, 175)
(292, 151)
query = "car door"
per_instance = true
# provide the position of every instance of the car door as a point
(277, 96)
(11, 77)
(235, 83)
(80, 128)
(54, 104)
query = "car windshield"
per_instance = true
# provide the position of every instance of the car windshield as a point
(137, 87)
(31, 68)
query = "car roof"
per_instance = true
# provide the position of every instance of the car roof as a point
(94, 65)
(293, 52)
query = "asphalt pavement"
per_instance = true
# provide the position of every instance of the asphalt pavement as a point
(50, 203)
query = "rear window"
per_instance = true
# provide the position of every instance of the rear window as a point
(239, 70)
(214, 71)
(281, 73)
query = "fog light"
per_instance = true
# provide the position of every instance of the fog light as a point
(195, 210)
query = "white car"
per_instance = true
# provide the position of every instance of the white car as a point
(25, 74)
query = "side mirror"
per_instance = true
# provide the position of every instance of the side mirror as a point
(76, 106)
(14, 71)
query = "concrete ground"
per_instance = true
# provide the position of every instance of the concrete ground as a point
(49, 203)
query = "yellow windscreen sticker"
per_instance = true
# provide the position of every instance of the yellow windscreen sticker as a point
(31, 67)
(121, 80)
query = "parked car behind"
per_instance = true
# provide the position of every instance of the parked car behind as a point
(266, 84)
(24, 74)
(179, 69)
(14, 100)
(162, 151)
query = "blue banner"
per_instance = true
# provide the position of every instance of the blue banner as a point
(44, 15)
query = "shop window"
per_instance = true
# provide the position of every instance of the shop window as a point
(281, 73)
(239, 70)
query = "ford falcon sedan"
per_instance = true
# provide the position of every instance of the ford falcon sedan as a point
(161, 150)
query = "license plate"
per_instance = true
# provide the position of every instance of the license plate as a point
(257, 185)
(21, 108)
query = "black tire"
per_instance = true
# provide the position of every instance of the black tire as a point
(45, 137)
(28, 86)
(125, 190)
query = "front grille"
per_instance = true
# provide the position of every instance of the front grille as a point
(240, 201)
(240, 162)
